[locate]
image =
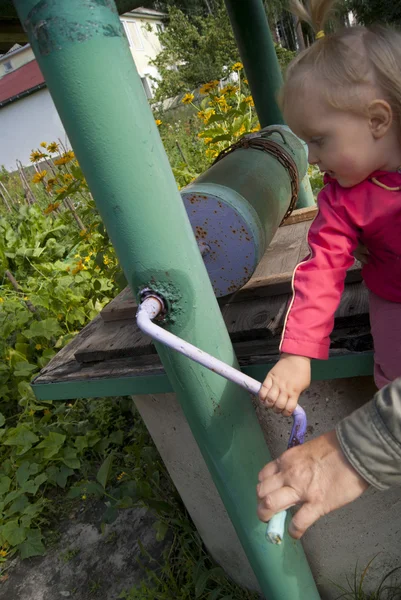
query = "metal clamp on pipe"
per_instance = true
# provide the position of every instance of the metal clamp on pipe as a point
(151, 307)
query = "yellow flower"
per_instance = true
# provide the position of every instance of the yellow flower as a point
(61, 190)
(87, 258)
(159, 122)
(46, 412)
(246, 81)
(229, 89)
(3, 553)
(51, 208)
(43, 144)
(38, 177)
(82, 234)
(53, 147)
(63, 160)
(77, 256)
(121, 475)
(36, 156)
(209, 113)
(249, 100)
(68, 269)
(237, 66)
(38, 347)
(83, 497)
(79, 267)
(207, 87)
(106, 260)
(207, 140)
(26, 298)
(201, 114)
(255, 129)
(188, 98)
(68, 177)
(211, 153)
(222, 102)
(60, 317)
(31, 412)
(70, 155)
(1, 300)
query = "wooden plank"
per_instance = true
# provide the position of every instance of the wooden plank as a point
(250, 320)
(114, 339)
(121, 307)
(301, 214)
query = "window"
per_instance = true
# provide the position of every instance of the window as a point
(133, 35)
(8, 67)
(146, 87)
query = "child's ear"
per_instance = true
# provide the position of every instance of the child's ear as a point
(380, 117)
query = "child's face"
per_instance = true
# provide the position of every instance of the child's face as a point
(340, 143)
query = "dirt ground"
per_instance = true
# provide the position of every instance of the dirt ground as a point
(85, 564)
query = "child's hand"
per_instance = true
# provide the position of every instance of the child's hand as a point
(285, 382)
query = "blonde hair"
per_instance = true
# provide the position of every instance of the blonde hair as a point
(346, 63)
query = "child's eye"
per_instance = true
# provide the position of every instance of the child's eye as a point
(318, 141)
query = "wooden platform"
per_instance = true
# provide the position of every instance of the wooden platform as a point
(112, 347)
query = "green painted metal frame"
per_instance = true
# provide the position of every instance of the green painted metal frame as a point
(255, 44)
(338, 367)
(88, 67)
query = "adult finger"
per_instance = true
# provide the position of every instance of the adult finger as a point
(276, 501)
(268, 470)
(303, 519)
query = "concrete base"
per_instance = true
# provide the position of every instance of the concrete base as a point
(336, 543)
(170, 431)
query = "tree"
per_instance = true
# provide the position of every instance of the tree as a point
(194, 51)
(368, 12)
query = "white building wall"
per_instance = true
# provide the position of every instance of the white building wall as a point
(24, 124)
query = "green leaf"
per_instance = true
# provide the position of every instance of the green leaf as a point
(24, 369)
(63, 474)
(117, 437)
(13, 533)
(81, 442)
(25, 471)
(5, 483)
(222, 138)
(70, 459)
(2, 420)
(52, 444)
(160, 506)
(201, 583)
(47, 328)
(32, 486)
(20, 436)
(104, 472)
(110, 515)
(215, 594)
(161, 530)
(17, 506)
(33, 545)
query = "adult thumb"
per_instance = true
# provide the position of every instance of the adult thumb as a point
(304, 518)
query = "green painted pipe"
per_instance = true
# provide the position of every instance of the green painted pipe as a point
(256, 48)
(87, 64)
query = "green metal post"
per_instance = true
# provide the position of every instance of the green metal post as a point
(87, 64)
(256, 48)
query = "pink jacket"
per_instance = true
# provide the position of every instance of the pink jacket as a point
(369, 212)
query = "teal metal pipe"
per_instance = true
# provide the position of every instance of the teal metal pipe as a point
(87, 64)
(252, 34)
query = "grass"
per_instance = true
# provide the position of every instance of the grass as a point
(387, 589)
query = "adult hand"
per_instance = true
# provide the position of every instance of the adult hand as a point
(316, 476)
